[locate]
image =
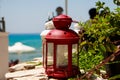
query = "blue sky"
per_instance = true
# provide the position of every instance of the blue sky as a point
(29, 16)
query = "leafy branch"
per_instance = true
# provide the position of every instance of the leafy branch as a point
(98, 36)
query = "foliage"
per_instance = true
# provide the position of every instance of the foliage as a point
(114, 77)
(117, 2)
(96, 40)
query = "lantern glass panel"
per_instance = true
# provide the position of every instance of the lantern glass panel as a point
(74, 54)
(62, 55)
(50, 53)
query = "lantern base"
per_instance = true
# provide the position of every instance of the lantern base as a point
(62, 72)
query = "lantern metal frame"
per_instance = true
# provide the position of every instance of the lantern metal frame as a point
(66, 37)
(64, 71)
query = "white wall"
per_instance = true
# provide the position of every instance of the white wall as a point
(3, 54)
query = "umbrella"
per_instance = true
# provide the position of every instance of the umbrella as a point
(20, 48)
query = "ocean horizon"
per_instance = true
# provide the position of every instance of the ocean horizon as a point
(29, 39)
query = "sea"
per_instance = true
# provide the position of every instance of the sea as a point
(32, 40)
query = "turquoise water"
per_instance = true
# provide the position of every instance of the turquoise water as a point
(33, 40)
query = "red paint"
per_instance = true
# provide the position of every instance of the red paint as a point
(62, 22)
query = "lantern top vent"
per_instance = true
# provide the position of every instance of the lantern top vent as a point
(62, 34)
(62, 21)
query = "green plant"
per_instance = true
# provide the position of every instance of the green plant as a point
(117, 2)
(97, 39)
(114, 77)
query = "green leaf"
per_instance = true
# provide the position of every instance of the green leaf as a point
(101, 39)
(102, 48)
(114, 77)
(110, 47)
(107, 46)
(113, 47)
(83, 43)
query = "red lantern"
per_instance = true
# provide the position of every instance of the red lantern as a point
(60, 45)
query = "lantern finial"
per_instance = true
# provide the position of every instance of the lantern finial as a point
(62, 21)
